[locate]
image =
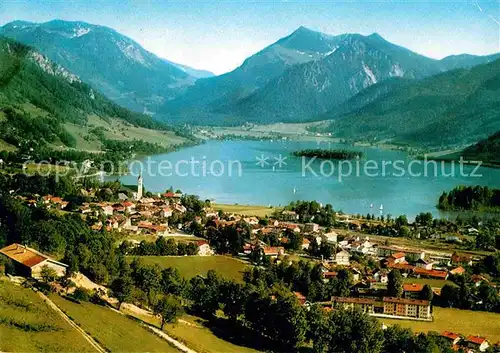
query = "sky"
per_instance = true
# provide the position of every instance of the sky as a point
(218, 35)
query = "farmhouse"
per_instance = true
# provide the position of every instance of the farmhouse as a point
(273, 251)
(461, 259)
(421, 263)
(289, 216)
(29, 262)
(454, 338)
(397, 258)
(436, 274)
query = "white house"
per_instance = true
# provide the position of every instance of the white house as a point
(166, 212)
(331, 237)
(342, 258)
(311, 227)
(381, 276)
(305, 244)
(107, 210)
(204, 248)
(421, 263)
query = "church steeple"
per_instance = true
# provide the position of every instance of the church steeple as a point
(139, 186)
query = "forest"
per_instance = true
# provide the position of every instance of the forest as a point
(476, 198)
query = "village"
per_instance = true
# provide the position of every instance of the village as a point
(278, 238)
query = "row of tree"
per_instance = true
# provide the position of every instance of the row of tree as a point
(161, 247)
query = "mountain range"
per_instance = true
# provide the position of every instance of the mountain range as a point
(304, 75)
(370, 88)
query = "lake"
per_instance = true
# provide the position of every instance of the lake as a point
(266, 173)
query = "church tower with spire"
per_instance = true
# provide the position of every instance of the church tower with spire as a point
(139, 186)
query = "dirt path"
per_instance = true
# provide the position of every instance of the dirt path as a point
(83, 281)
(180, 346)
(85, 335)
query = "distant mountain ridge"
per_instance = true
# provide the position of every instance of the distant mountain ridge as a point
(196, 73)
(304, 76)
(110, 62)
(301, 46)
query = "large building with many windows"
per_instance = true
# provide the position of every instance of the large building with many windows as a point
(398, 307)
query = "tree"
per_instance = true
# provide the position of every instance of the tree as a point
(169, 308)
(121, 289)
(450, 295)
(172, 282)
(395, 284)
(397, 339)
(48, 274)
(401, 221)
(320, 329)
(233, 299)
(427, 293)
(147, 278)
(355, 332)
(404, 231)
(205, 293)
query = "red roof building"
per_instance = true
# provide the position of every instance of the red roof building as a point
(29, 262)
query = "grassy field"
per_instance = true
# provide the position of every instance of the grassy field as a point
(190, 266)
(465, 322)
(246, 210)
(27, 324)
(436, 283)
(115, 129)
(113, 331)
(121, 130)
(4, 146)
(194, 333)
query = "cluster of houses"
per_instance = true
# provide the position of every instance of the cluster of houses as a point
(145, 216)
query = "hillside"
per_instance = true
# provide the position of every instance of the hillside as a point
(487, 150)
(39, 100)
(110, 62)
(27, 324)
(365, 97)
(456, 107)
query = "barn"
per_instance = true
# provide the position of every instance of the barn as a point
(29, 262)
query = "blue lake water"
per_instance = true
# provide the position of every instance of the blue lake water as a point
(244, 181)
